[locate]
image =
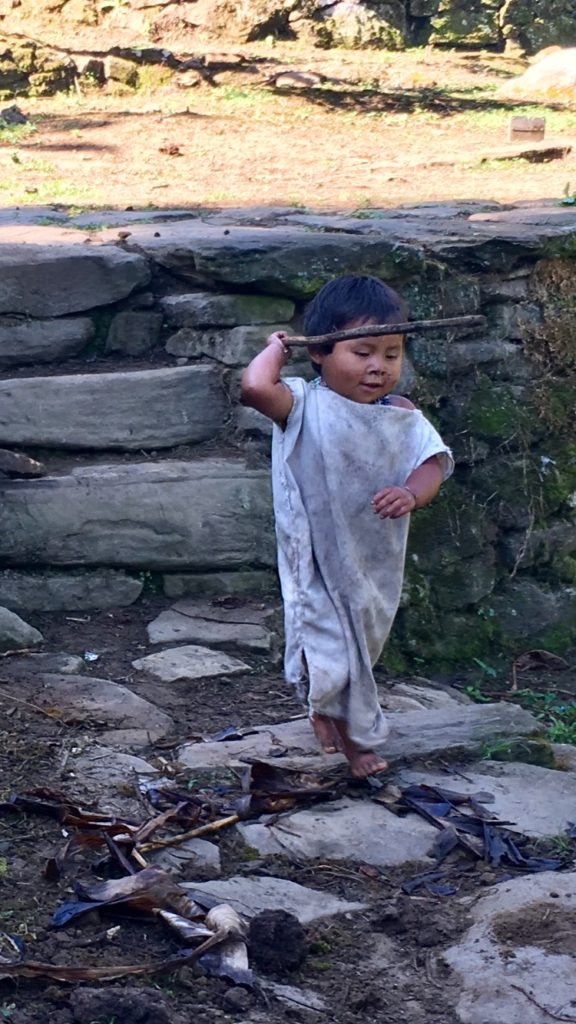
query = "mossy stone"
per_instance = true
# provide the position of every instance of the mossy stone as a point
(464, 583)
(500, 414)
(524, 750)
(451, 528)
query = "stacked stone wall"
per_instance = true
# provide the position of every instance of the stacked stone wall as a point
(119, 370)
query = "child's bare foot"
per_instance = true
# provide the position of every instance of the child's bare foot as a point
(362, 762)
(325, 732)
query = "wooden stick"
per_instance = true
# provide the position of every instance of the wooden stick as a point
(374, 330)
(203, 830)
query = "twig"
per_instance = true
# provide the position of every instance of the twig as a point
(555, 1016)
(34, 707)
(375, 330)
(203, 830)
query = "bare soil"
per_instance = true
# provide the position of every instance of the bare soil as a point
(379, 964)
(379, 129)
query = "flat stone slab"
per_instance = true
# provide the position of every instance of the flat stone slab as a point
(358, 830)
(539, 801)
(132, 410)
(119, 715)
(419, 697)
(219, 584)
(105, 773)
(52, 280)
(207, 309)
(204, 623)
(42, 341)
(60, 591)
(15, 634)
(208, 514)
(35, 664)
(414, 734)
(249, 896)
(516, 962)
(180, 664)
(197, 857)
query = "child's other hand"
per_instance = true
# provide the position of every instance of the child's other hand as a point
(393, 502)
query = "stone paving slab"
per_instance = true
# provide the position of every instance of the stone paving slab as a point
(414, 734)
(539, 801)
(205, 623)
(101, 704)
(249, 896)
(189, 663)
(528, 979)
(61, 591)
(357, 830)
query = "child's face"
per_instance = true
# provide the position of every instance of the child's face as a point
(363, 369)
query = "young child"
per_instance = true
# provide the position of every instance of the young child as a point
(350, 462)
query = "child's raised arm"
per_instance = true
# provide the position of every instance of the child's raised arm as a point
(262, 388)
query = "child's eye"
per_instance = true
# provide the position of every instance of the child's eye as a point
(363, 354)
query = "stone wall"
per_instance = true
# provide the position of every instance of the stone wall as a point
(393, 24)
(119, 370)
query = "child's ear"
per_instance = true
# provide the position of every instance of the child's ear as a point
(317, 355)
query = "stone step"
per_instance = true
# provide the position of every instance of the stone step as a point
(52, 280)
(133, 410)
(213, 513)
(42, 341)
(414, 734)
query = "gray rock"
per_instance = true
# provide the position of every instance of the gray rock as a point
(197, 857)
(525, 548)
(253, 423)
(42, 341)
(203, 623)
(464, 356)
(552, 802)
(249, 896)
(60, 662)
(525, 608)
(234, 347)
(134, 332)
(127, 720)
(208, 309)
(15, 634)
(141, 409)
(414, 734)
(345, 830)
(58, 591)
(287, 261)
(52, 280)
(419, 696)
(188, 663)
(105, 774)
(153, 516)
(521, 942)
(219, 584)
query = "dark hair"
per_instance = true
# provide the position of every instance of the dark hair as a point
(349, 298)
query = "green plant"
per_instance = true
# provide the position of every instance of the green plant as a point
(487, 669)
(6, 1010)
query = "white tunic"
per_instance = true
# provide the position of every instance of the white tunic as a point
(340, 565)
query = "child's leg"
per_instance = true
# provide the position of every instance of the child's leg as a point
(325, 732)
(362, 762)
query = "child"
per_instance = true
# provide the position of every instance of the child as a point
(350, 461)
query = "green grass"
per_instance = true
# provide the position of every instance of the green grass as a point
(557, 121)
(14, 133)
(557, 715)
(15, 190)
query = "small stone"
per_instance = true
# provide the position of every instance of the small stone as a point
(205, 625)
(189, 662)
(277, 941)
(15, 634)
(134, 332)
(238, 1000)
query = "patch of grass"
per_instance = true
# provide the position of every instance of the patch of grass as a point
(497, 117)
(52, 191)
(14, 133)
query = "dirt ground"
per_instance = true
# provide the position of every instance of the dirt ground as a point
(379, 129)
(380, 963)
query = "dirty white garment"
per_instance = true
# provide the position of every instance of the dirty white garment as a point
(340, 565)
